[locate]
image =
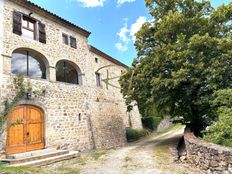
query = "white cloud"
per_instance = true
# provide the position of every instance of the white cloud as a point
(119, 2)
(123, 34)
(92, 3)
(123, 37)
(136, 26)
(126, 35)
(121, 47)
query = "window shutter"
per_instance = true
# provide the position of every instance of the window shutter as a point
(73, 42)
(17, 23)
(42, 33)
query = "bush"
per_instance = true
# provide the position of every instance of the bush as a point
(135, 134)
(221, 131)
(151, 117)
(151, 123)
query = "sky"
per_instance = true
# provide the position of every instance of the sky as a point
(113, 23)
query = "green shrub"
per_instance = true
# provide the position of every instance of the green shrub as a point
(151, 117)
(151, 123)
(220, 132)
(135, 134)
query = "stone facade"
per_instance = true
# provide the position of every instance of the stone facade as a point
(209, 157)
(78, 117)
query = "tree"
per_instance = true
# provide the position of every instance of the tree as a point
(220, 132)
(183, 55)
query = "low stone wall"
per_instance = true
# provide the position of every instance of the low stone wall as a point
(209, 157)
(164, 124)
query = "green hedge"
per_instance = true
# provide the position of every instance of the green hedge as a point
(135, 134)
(151, 123)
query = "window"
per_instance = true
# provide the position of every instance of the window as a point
(28, 28)
(65, 38)
(69, 40)
(96, 59)
(98, 79)
(73, 42)
(28, 63)
(65, 72)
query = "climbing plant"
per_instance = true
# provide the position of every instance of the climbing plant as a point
(22, 88)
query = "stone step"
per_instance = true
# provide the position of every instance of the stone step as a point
(47, 161)
(31, 153)
(36, 157)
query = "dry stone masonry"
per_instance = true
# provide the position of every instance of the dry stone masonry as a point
(212, 158)
(77, 117)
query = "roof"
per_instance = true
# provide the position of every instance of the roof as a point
(35, 8)
(106, 56)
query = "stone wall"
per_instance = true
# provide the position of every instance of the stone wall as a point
(77, 117)
(1, 40)
(165, 123)
(209, 157)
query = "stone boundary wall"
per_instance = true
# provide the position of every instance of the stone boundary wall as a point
(164, 124)
(209, 157)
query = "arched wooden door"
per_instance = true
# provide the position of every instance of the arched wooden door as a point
(25, 129)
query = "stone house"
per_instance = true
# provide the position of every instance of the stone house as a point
(79, 108)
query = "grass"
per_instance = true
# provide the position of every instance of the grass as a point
(172, 128)
(98, 154)
(65, 169)
(167, 130)
(164, 159)
(162, 152)
(19, 170)
(81, 160)
(60, 168)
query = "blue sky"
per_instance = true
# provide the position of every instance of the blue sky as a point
(113, 23)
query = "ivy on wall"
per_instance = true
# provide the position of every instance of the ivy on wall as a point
(8, 105)
(23, 88)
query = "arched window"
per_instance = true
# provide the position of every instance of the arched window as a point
(28, 63)
(67, 72)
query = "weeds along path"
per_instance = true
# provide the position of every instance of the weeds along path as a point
(150, 155)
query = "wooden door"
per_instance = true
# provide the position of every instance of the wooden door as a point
(15, 135)
(35, 129)
(25, 129)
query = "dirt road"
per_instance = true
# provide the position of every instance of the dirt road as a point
(150, 155)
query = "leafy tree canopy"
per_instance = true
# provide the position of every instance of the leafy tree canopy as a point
(184, 55)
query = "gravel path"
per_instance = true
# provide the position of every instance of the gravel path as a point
(148, 156)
